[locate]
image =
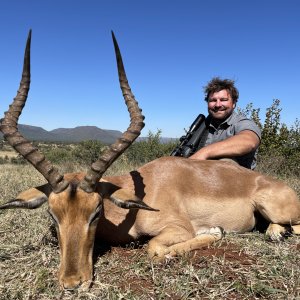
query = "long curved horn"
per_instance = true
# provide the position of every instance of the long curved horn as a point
(115, 150)
(9, 127)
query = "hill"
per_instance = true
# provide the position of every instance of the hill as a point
(77, 134)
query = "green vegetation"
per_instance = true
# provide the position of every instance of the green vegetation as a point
(149, 149)
(279, 152)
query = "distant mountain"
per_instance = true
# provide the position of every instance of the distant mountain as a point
(83, 133)
(77, 134)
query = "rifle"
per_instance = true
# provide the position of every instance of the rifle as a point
(190, 142)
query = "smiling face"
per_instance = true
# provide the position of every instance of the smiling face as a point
(220, 105)
(75, 214)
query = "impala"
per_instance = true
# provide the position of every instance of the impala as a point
(181, 204)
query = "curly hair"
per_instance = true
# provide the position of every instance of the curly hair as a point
(217, 84)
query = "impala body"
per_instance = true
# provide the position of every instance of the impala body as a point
(181, 204)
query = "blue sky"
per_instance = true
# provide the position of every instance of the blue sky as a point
(171, 49)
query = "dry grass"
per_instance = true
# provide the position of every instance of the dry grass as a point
(8, 154)
(238, 267)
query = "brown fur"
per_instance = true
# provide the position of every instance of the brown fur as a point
(194, 198)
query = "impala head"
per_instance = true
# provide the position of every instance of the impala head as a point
(75, 214)
(75, 200)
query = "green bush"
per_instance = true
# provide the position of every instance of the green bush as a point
(87, 152)
(149, 149)
(58, 155)
(82, 153)
(279, 151)
(19, 160)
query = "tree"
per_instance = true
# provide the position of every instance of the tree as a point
(270, 138)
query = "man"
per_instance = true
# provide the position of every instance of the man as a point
(230, 135)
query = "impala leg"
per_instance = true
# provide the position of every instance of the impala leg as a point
(282, 209)
(276, 232)
(296, 229)
(202, 239)
(173, 241)
(158, 246)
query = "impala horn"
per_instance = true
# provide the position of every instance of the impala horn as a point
(9, 128)
(98, 168)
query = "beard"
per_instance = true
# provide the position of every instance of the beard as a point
(220, 113)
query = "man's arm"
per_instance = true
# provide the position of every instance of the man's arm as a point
(240, 144)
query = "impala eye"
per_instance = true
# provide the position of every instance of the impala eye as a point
(95, 216)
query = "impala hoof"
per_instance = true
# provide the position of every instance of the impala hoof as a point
(276, 232)
(75, 282)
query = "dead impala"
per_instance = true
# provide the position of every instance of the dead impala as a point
(182, 204)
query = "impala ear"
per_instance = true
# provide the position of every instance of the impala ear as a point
(124, 199)
(121, 197)
(29, 199)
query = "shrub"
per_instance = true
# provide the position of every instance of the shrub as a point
(58, 155)
(87, 152)
(279, 152)
(149, 149)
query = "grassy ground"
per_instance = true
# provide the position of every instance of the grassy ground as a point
(238, 267)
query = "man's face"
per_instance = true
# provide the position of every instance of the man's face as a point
(220, 105)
